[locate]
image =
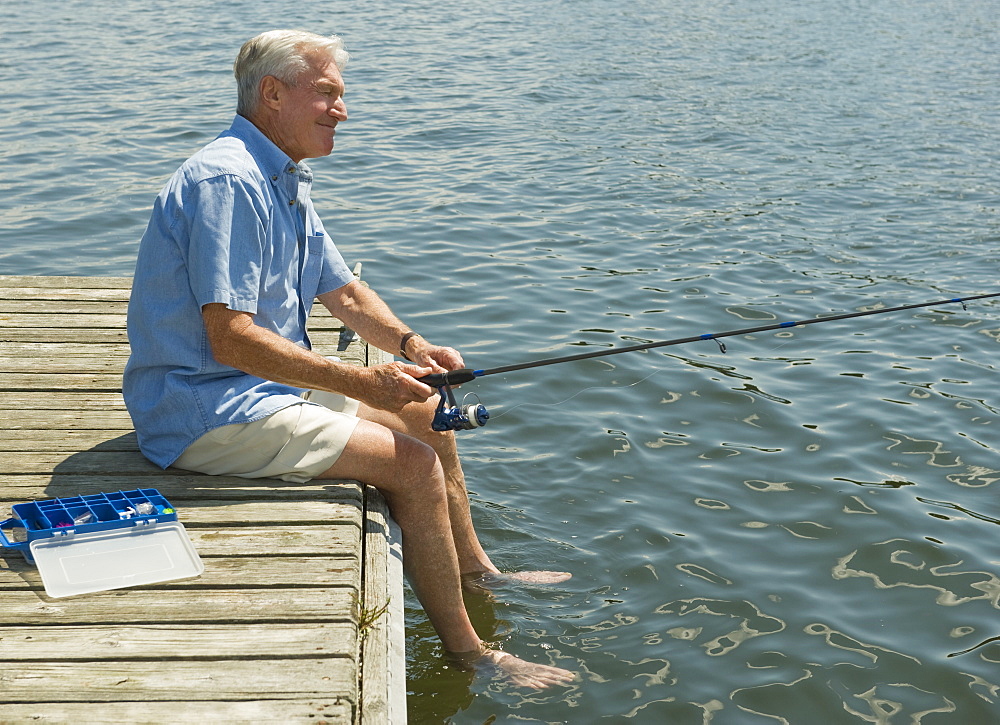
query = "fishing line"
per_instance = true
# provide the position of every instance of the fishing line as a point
(579, 392)
(451, 416)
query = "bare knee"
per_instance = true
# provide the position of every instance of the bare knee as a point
(419, 465)
(418, 491)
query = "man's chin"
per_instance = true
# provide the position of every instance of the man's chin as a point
(320, 152)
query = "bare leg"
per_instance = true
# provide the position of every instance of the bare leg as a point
(409, 475)
(414, 420)
(474, 564)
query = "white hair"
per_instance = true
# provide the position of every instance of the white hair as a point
(283, 54)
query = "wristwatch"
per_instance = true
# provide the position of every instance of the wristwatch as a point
(402, 344)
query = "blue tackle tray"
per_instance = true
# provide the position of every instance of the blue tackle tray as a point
(84, 544)
(83, 514)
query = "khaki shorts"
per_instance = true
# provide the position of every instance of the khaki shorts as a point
(295, 444)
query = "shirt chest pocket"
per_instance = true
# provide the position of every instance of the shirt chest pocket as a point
(312, 266)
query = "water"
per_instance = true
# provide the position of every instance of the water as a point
(799, 530)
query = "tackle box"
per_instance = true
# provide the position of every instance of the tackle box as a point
(84, 544)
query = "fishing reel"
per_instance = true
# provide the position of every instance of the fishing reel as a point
(449, 415)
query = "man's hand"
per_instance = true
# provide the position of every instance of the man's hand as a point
(393, 385)
(439, 359)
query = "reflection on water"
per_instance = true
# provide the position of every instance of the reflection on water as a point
(843, 679)
(920, 565)
(750, 623)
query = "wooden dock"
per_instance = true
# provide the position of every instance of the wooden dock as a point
(269, 633)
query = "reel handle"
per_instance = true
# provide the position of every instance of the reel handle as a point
(452, 377)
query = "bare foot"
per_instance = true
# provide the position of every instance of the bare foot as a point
(537, 577)
(489, 580)
(506, 667)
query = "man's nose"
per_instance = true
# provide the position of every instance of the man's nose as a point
(339, 110)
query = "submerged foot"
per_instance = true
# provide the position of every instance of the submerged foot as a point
(505, 667)
(537, 577)
(489, 580)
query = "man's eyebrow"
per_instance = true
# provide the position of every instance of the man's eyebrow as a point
(329, 85)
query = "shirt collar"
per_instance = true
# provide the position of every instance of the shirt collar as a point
(274, 162)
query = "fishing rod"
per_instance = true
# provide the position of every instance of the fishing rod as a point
(451, 416)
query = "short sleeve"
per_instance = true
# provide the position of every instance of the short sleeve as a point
(335, 272)
(225, 242)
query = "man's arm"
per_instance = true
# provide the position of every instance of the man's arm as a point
(365, 312)
(238, 342)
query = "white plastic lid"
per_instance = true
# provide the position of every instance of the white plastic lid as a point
(117, 558)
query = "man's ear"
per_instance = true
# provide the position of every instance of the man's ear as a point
(270, 92)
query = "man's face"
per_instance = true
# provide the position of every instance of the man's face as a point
(310, 111)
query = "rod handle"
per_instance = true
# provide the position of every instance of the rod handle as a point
(452, 377)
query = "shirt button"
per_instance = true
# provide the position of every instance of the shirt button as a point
(292, 202)
(274, 178)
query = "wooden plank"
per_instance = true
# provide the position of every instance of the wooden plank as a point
(25, 320)
(277, 511)
(70, 364)
(205, 514)
(43, 351)
(316, 710)
(65, 420)
(155, 641)
(265, 539)
(95, 337)
(29, 441)
(283, 538)
(62, 306)
(153, 682)
(180, 606)
(18, 400)
(95, 363)
(16, 282)
(111, 462)
(28, 295)
(177, 486)
(302, 513)
(113, 318)
(99, 302)
(383, 661)
(340, 570)
(322, 338)
(46, 382)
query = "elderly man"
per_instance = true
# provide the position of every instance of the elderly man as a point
(222, 379)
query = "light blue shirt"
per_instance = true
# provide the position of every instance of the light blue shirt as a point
(235, 225)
